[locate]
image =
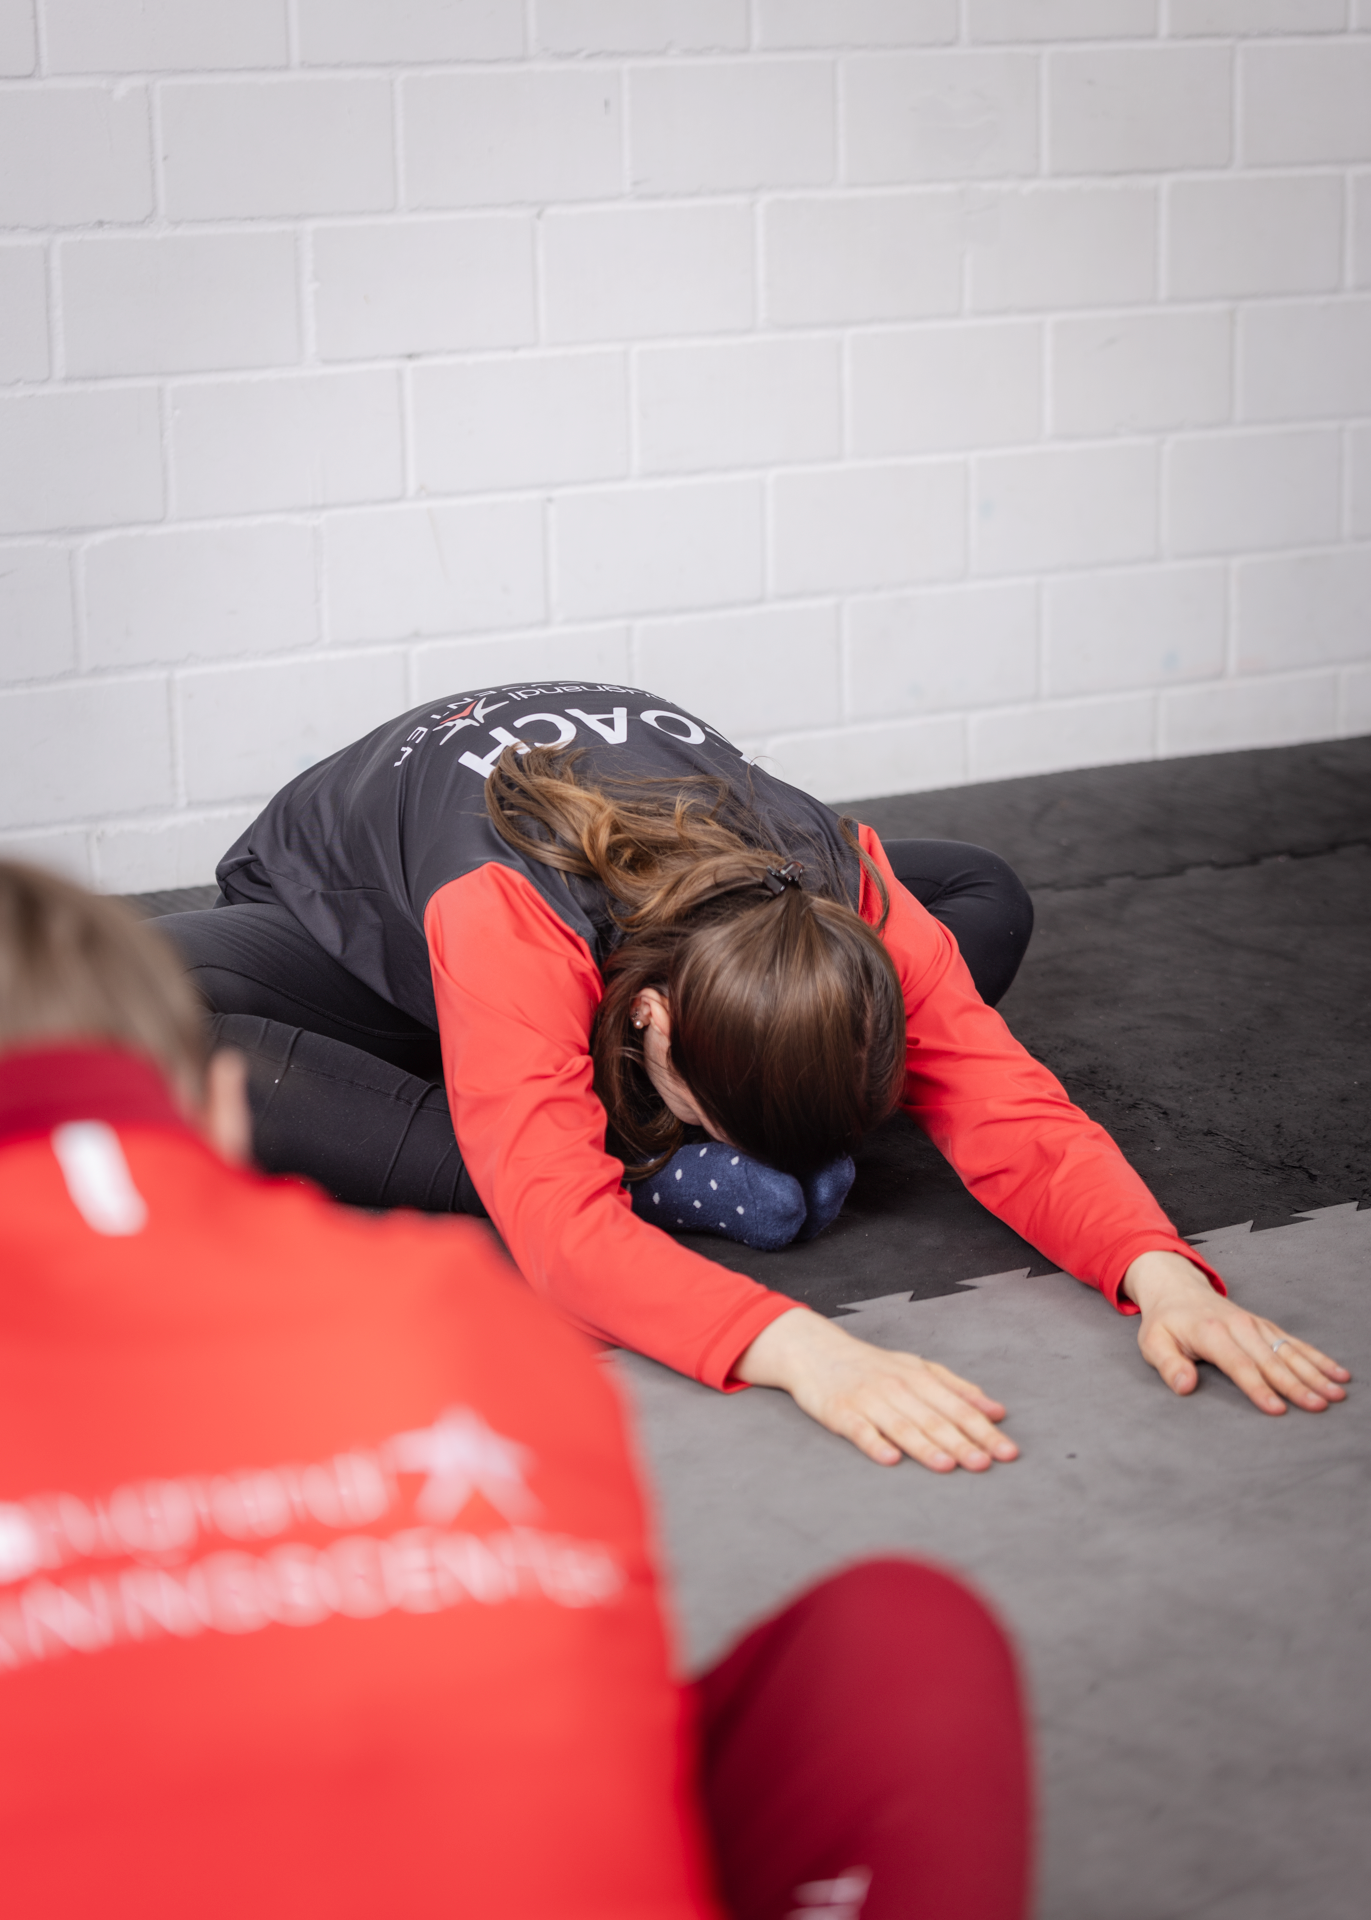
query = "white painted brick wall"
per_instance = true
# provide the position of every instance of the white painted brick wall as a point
(18, 40)
(179, 303)
(383, 33)
(645, 549)
(532, 421)
(72, 156)
(423, 286)
(756, 403)
(512, 137)
(1141, 373)
(36, 613)
(195, 593)
(1273, 233)
(298, 146)
(134, 36)
(391, 573)
(945, 389)
(940, 116)
(287, 441)
(1360, 503)
(1253, 489)
(854, 258)
(24, 305)
(856, 527)
(925, 390)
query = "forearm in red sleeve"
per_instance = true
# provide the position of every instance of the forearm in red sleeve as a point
(516, 992)
(1005, 1123)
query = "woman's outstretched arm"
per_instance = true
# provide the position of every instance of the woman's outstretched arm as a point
(1056, 1177)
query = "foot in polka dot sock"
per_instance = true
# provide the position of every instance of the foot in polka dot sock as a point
(825, 1192)
(712, 1188)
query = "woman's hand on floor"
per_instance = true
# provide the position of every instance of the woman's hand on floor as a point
(888, 1404)
(1184, 1320)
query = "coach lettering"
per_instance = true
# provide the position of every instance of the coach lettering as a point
(693, 735)
(615, 733)
(485, 767)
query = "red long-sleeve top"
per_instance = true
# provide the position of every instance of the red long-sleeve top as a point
(517, 991)
(318, 1596)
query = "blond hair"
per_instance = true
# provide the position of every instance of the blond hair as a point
(77, 966)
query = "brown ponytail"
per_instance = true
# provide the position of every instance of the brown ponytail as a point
(787, 1014)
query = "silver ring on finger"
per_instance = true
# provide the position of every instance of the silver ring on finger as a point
(1284, 1341)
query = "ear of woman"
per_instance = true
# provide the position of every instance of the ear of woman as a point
(651, 1017)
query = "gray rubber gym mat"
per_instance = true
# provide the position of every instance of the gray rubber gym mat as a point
(1189, 1582)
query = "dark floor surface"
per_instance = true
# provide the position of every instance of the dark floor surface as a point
(1200, 979)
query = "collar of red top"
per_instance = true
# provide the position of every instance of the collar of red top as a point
(41, 1087)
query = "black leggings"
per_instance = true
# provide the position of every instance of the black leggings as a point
(348, 1090)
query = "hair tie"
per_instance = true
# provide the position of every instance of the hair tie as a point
(777, 879)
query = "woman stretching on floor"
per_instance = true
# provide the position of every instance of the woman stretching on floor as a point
(644, 953)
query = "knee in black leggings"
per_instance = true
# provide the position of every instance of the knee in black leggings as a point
(979, 899)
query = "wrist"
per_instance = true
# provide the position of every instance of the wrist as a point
(772, 1358)
(1155, 1275)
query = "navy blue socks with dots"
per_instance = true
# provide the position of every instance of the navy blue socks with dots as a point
(825, 1192)
(712, 1188)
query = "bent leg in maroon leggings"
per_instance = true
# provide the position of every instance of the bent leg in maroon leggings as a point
(864, 1754)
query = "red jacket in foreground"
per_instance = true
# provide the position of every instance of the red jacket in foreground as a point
(516, 992)
(323, 1577)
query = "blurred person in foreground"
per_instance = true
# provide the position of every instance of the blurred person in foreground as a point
(325, 1583)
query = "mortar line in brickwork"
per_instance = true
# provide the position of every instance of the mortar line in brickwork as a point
(625, 139)
(1234, 121)
(40, 41)
(846, 425)
(57, 340)
(76, 569)
(838, 83)
(169, 490)
(540, 322)
(159, 221)
(759, 326)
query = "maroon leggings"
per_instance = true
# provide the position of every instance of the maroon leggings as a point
(864, 1756)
